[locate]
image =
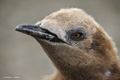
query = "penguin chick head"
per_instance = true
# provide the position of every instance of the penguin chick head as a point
(73, 41)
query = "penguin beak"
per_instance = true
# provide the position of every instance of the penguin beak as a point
(37, 32)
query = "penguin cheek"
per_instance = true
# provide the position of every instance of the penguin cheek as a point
(82, 45)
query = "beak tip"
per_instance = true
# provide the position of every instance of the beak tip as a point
(19, 27)
(16, 28)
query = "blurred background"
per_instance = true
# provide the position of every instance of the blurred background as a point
(21, 57)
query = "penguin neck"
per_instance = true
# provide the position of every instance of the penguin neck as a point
(112, 73)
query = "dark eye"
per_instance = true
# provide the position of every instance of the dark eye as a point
(76, 36)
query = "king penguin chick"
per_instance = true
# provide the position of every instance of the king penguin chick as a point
(78, 47)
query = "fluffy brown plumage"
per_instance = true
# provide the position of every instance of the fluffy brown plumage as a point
(78, 47)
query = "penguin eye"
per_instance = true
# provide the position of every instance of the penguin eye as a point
(76, 36)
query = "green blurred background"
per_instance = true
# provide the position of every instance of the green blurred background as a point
(21, 57)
